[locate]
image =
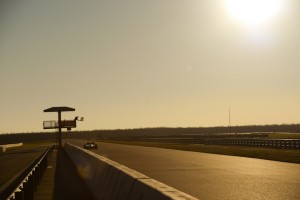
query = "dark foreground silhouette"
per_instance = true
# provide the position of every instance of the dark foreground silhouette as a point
(61, 180)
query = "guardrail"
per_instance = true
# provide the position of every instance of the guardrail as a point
(254, 142)
(25, 184)
(270, 143)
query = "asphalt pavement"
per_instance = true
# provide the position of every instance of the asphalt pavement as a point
(209, 176)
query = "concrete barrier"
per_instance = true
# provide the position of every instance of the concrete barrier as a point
(6, 146)
(110, 180)
(2, 148)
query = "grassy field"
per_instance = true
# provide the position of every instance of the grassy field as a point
(284, 155)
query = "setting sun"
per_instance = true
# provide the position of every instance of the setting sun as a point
(253, 13)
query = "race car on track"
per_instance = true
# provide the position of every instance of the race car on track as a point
(90, 145)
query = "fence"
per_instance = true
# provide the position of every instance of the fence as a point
(26, 182)
(254, 142)
(270, 143)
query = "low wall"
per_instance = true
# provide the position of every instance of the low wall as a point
(6, 146)
(110, 180)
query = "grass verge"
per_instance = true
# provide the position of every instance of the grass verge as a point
(284, 155)
(284, 136)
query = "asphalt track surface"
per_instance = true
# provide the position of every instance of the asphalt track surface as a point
(209, 176)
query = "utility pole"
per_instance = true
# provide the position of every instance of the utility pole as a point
(59, 129)
(229, 122)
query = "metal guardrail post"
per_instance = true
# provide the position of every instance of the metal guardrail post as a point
(34, 180)
(30, 186)
(19, 194)
(25, 189)
(39, 173)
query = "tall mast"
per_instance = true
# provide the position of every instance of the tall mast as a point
(229, 122)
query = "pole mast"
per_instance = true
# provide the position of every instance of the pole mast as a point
(229, 121)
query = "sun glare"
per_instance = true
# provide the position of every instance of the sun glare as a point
(253, 13)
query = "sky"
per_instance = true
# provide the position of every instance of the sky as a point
(149, 63)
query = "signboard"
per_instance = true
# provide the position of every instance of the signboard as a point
(50, 124)
(68, 124)
(64, 124)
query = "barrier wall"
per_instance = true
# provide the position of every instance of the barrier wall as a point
(6, 146)
(110, 180)
(2, 148)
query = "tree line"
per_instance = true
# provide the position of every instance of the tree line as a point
(148, 132)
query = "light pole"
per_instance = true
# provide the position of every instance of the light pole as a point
(229, 122)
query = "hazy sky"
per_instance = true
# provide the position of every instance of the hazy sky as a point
(148, 63)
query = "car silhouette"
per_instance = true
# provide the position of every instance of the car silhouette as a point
(90, 145)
